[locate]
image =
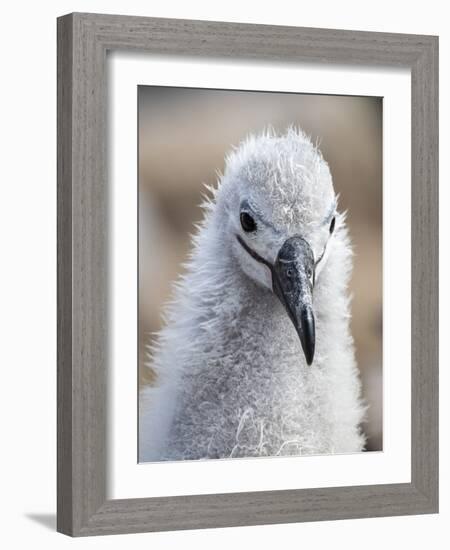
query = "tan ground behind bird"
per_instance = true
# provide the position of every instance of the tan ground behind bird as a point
(184, 135)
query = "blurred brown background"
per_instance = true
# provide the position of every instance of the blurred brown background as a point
(184, 135)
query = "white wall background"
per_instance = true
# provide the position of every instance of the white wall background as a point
(28, 271)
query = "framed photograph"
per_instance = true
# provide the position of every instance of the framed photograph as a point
(247, 274)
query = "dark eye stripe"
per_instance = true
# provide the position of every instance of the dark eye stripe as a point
(253, 254)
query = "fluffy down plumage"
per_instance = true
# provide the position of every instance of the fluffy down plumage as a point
(232, 380)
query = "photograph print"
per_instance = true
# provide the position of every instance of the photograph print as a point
(260, 274)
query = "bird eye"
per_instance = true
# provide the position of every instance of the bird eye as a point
(332, 224)
(247, 222)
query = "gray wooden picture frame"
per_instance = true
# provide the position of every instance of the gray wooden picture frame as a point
(83, 41)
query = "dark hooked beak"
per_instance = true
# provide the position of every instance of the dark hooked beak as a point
(292, 281)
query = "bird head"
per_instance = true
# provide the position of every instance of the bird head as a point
(281, 217)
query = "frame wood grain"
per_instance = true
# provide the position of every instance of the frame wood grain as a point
(83, 41)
